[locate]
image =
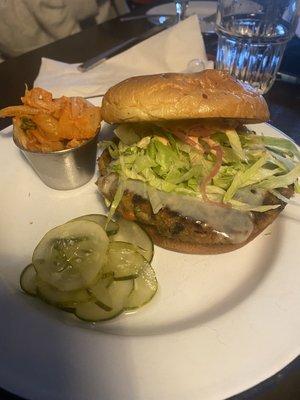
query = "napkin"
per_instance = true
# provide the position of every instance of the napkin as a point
(168, 51)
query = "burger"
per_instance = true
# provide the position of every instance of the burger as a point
(184, 165)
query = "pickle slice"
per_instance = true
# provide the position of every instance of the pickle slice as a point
(108, 280)
(92, 312)
(123, 261)
(61, 298)
(145, 287)
(28, 280)
(131, 232)
(111, 228)
(101, 293)
(71, 256)
(78, 268)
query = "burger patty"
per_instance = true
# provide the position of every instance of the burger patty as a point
(173, 225)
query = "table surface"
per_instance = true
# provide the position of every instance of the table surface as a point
(283, 100)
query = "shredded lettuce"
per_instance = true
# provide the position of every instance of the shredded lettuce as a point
(243, 177)
(154, 199)
(116, 201)
(167, 164)
(127, 134)
(279, 196)
(281, 145)
(281, 181)
(235, 143)
(297, 186)
(282, 162)
(246, 207)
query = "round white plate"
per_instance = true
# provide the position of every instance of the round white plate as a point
(201, 8)
(219, 324)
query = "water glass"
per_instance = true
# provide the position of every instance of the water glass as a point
(181, 7)
(252, 35)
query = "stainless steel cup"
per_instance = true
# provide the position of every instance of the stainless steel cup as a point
(64, 169)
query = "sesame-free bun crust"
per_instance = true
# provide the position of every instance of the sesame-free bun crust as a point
(206, 94)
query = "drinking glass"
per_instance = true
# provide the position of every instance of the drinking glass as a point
(252, 35)
(181, 7)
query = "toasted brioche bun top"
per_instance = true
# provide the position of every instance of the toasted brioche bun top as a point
(206, 94)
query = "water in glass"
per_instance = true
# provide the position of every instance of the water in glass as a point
(251, 46)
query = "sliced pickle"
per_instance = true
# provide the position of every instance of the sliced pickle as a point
(131, 232)
(123, 261)
(28, 280)
(60, 298)
(111, 228)
(108, 280)
(145, 287)
(119, 292)
(92, 312)
(71, 256)
(101, 293)
(78, 268)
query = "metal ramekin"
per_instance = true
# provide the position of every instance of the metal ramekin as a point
(64, 169)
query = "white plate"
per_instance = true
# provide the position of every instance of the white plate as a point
(219, 325)
(201, 8)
